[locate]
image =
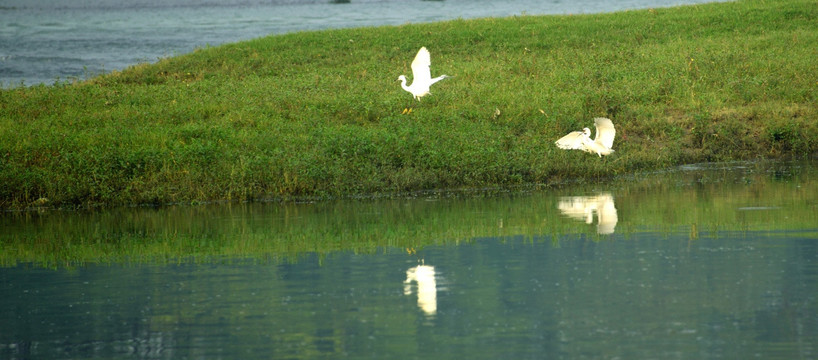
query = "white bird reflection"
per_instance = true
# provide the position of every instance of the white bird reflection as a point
(584, 207)
(424, 276)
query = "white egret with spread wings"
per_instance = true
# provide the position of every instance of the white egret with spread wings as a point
(581, 140)
(421, 75)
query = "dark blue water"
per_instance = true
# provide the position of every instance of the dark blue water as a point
(42, 41)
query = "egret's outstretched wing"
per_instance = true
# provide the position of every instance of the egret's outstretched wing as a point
(421, 74)
(573, 141)
(441, 77)
(605, 132)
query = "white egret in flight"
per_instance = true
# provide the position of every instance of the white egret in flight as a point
(581, 140)
(421, 75)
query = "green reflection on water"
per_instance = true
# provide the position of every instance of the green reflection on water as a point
(708, 262)
(702, 200)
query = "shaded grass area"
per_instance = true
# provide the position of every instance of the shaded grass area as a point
(320, 114)
(756, 199)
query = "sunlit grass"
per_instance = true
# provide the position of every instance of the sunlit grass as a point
(320, 114)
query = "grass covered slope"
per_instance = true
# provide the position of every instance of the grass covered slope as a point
(321, 113)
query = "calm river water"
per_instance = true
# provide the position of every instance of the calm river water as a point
(44, 40)
(700, 262)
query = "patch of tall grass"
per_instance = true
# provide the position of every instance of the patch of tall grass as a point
(319, 114)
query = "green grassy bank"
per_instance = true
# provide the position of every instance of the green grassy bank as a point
(321, 113)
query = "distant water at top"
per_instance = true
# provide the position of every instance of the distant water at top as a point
(42, 41)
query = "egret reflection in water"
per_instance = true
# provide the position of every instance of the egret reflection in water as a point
(584, 207)
(424, 276)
